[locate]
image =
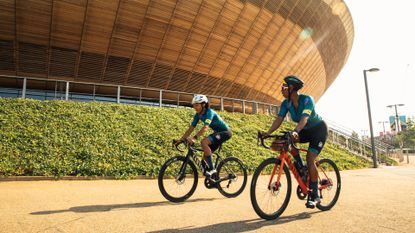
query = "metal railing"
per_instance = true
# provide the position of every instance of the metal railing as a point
(51, 89)
(345, 138)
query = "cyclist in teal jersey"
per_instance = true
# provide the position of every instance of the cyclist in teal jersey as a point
(210, 119)
(310, 128)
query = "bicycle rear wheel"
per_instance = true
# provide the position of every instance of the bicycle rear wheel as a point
(234, 172)
(269, 197)
(173, 185)
(329, 183)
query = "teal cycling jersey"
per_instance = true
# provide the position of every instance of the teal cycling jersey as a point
(211, 119)
(305, 108)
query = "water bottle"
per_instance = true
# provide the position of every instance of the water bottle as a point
(298, 167)
(298, 162)
(304, 173)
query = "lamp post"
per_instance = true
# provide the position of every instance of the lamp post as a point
(372, 139)
(396, 115)
(383, 123)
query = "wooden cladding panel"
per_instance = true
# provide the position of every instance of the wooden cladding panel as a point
(130, 19)
(99, 24)
(161, 10)
(122, 48)
(116, 69)
(158, 80)
(210, 85)
(151, 39)
(139, 73)
(90, 66)
(186, 14)
(234, 48)
(32, 58)
(33, 21)
(7, 56)
(7, 17)
(67, 21)
(62, 62)
(179, 80)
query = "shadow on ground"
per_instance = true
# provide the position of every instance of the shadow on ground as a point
(104, 208)
(239, 226)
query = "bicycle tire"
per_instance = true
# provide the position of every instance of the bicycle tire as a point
(164, 176)
(223, 186)
(271, 162)
(328, 164)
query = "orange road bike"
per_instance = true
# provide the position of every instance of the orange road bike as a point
(271, 182)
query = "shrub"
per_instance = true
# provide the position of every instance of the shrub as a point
(64, 138)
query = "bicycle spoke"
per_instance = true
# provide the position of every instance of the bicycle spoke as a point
(270, 201)
(174, 186)
(233, 175)
(329, 184)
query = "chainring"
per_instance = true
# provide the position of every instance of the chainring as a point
(209, 184)
(300, 194)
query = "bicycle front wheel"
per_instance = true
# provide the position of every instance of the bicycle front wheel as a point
(233, 174)
(270, 197)
(174, 185)
(329, 184)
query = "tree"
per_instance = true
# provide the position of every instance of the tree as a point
(406, 139)
(355, 135)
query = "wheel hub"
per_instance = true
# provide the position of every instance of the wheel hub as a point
(328, 183)
(275, 188)
(180, 180)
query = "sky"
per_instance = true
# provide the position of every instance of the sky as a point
(385, 39)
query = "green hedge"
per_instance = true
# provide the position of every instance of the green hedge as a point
(64, 138)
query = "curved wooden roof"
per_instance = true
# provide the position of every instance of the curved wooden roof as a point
(233, 48)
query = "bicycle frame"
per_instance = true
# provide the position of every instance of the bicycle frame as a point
(192, 153)
(285, 158)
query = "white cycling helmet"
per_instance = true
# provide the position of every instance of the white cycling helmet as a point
(198, 99)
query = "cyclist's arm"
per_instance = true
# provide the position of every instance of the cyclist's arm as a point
(280, 117)
(301, 124)
(275, 125)
(188, 132)
(192, 126)
(201, 132)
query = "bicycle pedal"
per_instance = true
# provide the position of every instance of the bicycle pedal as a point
(310, 205)
(214, 180)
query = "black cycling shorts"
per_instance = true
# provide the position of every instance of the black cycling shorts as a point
(216, 139)
(316, 136)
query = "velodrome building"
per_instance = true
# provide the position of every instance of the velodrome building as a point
(236, 49)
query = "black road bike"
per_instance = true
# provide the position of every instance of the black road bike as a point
(178, 177)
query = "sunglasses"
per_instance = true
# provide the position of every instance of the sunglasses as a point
(283, 87)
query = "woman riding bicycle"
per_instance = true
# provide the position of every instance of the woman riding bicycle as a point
(211, 119)
(310, 128)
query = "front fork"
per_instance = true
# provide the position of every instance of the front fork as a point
(182, 172)
(277, 183)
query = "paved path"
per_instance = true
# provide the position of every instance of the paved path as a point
(372, 200)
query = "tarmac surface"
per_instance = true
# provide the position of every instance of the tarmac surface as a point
(371, 200)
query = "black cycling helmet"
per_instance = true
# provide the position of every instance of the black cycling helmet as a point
(295, 81)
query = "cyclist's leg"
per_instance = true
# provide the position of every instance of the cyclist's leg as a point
(206, 146)
(207, 152)
(215, 140)
(317, 141)
(312, 170)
